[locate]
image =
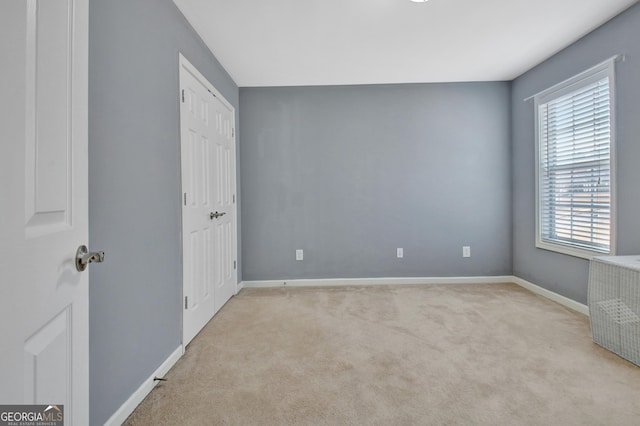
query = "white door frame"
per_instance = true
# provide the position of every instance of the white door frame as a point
(186, 66)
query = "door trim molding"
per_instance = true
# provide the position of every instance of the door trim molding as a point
(145, 388)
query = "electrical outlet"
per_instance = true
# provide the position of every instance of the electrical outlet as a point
(400, 252)
(299, 254)
(466, 251)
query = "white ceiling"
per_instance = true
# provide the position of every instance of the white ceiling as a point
(312, 42)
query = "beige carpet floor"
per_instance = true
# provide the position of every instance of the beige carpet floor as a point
(400, 355)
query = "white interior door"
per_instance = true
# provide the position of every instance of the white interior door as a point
(225, 284)
(43, 187)
(208, 200)
(197, 203)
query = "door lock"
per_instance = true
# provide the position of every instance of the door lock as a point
(216, 215)
(84, 257)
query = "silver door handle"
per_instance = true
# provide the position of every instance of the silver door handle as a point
(216, 215)
(84, 257)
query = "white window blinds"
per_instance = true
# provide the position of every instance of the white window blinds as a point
(574, 171)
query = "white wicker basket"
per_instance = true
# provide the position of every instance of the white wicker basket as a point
(614, 304)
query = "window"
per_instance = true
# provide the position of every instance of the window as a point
(575, 193)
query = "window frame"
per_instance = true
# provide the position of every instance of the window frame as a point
(573, 84)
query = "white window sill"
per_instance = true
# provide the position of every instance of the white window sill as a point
(571, 251)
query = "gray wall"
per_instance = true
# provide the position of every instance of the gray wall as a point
(134, 182)
(563, 274)
(350, 173)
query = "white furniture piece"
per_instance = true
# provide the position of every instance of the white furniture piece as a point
(614, 304)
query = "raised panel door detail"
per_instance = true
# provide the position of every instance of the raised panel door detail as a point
(204, 111)
(219, 122)
(191, 101)
(192, 168)
(226, 254)
(219, 178)
(193, 267)
(47, 362)
(224, 181)
(226, 177)
(48, 117)
(207, 265)
(218, 280)
(205, 178)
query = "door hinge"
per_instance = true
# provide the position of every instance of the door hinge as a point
(186, 303)
(234, 198)
(182, 95)
(185, 198)
(233, 132)
(234, 264)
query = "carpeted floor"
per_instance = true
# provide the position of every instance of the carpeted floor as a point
(400, 355)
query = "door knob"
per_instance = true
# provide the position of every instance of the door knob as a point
(85, 257)
(216, 215)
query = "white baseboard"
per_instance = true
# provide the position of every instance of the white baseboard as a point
(136, 398)
(565, 301)
(339, 282)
